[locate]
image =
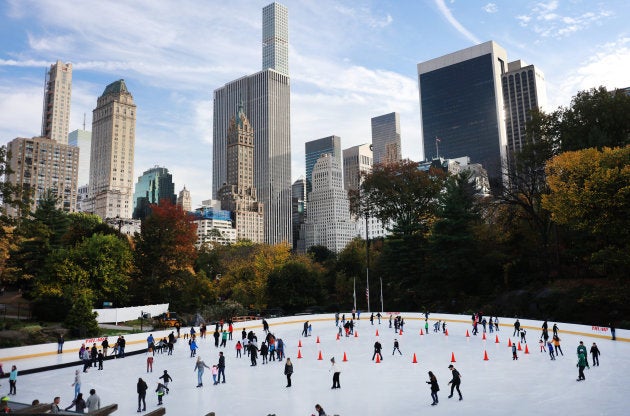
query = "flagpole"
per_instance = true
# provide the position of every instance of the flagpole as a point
(382, 307)
(354, 292)
(437, 148)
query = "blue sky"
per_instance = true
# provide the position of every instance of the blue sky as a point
(349, 61)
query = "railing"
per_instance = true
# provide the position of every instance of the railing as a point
(20, 310)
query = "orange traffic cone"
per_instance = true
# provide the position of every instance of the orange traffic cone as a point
(356, 334)
(300, 344)
(299, 353)
(319, 358)
(509, 342)
(452, 357)
(421, 333)
(344, 357)
(485, 355)
(519, 347)
(415, 361)
(467, 334)
(446, 332)
(377, 332)
(378, 358)
(526, 349)
(337, 336)
(484, 336)
(496, 340)
(317, 342)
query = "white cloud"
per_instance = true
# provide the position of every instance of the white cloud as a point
(490, 8)
(446, 12)
(609, 68)
(365, 16)
(548, 21)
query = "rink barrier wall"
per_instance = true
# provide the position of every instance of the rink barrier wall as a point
(137, 343)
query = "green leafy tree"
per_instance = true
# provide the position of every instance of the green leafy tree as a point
(80, 319)
(295, 285)
(399, 194)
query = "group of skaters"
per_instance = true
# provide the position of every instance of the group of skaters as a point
(456, 380)
(485, 322)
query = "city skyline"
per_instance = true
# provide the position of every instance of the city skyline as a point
(348, 64)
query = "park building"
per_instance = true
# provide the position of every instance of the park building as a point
(478, 175)
(214, 225)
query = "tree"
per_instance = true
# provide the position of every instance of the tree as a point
(81, 320)
(295, 285)
(596, 118)
(590, 191)
(453, 233)
(164, 248)
(399, 194)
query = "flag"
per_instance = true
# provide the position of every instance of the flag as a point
(367, 293)
(437, 139)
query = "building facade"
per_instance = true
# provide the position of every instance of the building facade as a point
(239, 194)
(41, 165)
(298, 212)
(314, 149)
(112, 152)
(184, 200)
(214, 226)
(57, 96)
(266, 101)
(154, 186)
(275, 38)
(83, 140)
(523, 91)
(328, 222)
(461, 107)
(386, 138)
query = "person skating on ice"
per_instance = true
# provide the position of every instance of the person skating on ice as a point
(455, 381)
(434, 388)
(595, 353)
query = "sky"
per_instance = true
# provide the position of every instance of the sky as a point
(500, 386)
(348, 62)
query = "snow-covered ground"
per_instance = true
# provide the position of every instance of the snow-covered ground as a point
(396, 386)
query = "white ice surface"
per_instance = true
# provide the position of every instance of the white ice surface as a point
(533, 385)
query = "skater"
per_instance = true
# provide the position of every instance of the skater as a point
(517, 328)
(239, 347)
(390, 320)
(221, 367)
(193, 347)
(200, 366)
(93, 402)
(216, 336)
(514, 353)
(581, 349)
(215, 373)
(377, 350)
(224, 337)
(335, 370)
(595, 353)
(160, 390)
(556, 344)
(434, 388)
(581, 364)
(60, 342)
(320, 410)
(13, 380)
(612, 331)
(523, 332)
(264, 350)
(542, 345)
(77, 383)
(396, 347)
(100, 358)
(166, 377)
(78, 403)
(142, 394)
(288, 370)
(496, 323)
(150, 363)
(550, 347)
(372, 319)
(305, 330)
(379, 316)
(555, 330)
(455, 381)
(105, 346)
(426, 326)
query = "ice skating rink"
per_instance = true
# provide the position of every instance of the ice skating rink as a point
(396, 386)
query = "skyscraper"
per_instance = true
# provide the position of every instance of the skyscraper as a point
(239, 194)
(314, 149)
(57, 94)
(112, 154)
(386, 138)
(42, 165)
(154, 186)
(83, 140)
(275, 38)
(328, 222)
(184, 200)
(461, 107)
(266, 101)
(523, 91)
(298, 204)
(357, 160)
